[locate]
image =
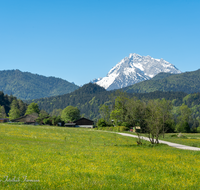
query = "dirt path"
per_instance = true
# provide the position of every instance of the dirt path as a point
(175, 145)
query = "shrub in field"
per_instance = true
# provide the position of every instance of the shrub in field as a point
(122, 128)
(47, 121)
(101, 123)
(198, 129)
(174, 135)
(183, 127)
(126, 124)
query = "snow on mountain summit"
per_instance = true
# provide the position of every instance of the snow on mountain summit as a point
(133, 69)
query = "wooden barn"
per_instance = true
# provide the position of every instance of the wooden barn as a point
(70, 124)
(27, 119)
(3, 120)
(82, 122)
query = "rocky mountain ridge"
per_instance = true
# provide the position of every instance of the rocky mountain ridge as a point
(134, 69)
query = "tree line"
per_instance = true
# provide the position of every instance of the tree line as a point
(13, 108)
(67, 115)
(153, 116)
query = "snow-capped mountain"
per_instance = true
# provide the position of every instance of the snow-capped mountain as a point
(134, 69)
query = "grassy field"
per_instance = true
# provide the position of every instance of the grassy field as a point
(74, 158)
(190, 139)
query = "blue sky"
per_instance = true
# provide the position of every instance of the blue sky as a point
(82, 40)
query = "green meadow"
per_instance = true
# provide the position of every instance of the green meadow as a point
(189, 139)
(45, 157)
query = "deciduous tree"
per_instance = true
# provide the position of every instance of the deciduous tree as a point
(105, 112)
(184, 115)
(70, 114)
(14, 111)
(2, 112)
(32, 108)
(153, 120)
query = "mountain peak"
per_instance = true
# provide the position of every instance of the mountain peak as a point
(134, 55)
(133, 69)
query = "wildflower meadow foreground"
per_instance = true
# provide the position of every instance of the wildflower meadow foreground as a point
(45, 157)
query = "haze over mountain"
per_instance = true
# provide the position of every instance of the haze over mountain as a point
(134, 69)
(25, 85)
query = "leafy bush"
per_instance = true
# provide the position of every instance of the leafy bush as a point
(122, 128)
(183, 127)
(126, 124)
(101, 123)
(173, 135)
(198, 129)
(47, 121)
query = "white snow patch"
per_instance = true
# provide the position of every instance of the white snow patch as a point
(107, 81)
(128, 71)
(139, 66)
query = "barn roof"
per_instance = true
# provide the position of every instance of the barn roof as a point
(83, 118)
(32, 116)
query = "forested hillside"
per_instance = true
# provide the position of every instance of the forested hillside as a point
(90, 97)
(162, 76)
(87, 98)
(25, 85)
(188, 82)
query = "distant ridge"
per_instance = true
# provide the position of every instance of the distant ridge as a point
(134, 69)
(25, 85)
(188, 82)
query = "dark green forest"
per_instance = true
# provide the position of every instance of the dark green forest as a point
(90, 97)
(6, 102)
(87, 99)
(188, 82)
(25, 85)
(153, 117)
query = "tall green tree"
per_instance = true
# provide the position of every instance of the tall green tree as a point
(184, 116)
(153, 121)
(2, 112)
(166, 114)
(56, 112)
(55, 120)
(136, 112)
(22, 107)
(70, 114)
(105, 112)
(32, 108)
(14, 111)
(118, 114)
(158, 115)
(43, 115)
